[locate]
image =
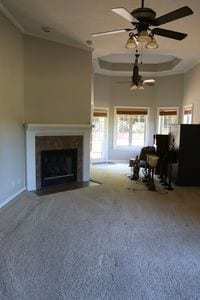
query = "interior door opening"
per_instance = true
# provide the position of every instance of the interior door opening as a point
(99, 137)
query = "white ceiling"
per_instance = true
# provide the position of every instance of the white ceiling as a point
(73, 21)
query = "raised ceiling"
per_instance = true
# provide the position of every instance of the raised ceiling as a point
(72, 22)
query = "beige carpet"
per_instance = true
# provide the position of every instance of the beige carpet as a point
(114, 241)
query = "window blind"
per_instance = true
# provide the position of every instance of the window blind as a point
(100, 113)
(131, 111)
(167, 112)
(187, 111)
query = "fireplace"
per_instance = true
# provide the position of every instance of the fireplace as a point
(55, 152)
(54, 137)
(58, 166)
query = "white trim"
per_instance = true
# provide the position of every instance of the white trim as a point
(181, 71)
(118, 161)
(40, 126)
(57, 40)
(11, 18)
(185, 107)
(115, 147)
(9, 199)
(33, 130)
(100, 108)
(188, 106)
(167, 108)
(191, 66)
(106, 132)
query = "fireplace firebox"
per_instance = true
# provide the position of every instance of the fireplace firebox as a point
(58, 166)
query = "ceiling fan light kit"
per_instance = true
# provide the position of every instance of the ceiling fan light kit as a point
(137, 82)
(133, 87)
(131, 43)
(143, 37)
(152, 44)
(144, 28)
(143, 20)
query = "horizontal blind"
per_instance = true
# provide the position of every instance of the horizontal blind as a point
(131, 111)
(187, 111)
(100, 113)
(167, 112)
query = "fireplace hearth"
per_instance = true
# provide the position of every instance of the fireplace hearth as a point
(58, 166)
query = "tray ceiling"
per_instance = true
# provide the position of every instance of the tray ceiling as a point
(72, 22)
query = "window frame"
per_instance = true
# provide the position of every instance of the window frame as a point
(166, 108)
(187, 108)
(102, 112)
(129, 147)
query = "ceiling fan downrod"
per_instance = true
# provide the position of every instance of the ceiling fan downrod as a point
(142, 4)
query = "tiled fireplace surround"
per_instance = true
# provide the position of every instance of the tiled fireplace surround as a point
(53, 137)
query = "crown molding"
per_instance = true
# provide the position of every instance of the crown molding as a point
(11, 18)
(187, 69)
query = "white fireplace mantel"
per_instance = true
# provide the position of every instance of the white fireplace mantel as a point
(33, 130)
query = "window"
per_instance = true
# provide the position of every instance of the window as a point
(166, 117)
(187, 114)
(130, 127)
(99, 135)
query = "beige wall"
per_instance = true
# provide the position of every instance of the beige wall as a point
(12, 153)
(111, 91)
(169, 92)
(192, 92)
(102, 90)
(53, 83)
(123, 96)
(40, 81)
(57, 82)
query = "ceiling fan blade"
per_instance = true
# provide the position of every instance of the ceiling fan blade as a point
(149, 82)
(173, 15)
(123, 12)
(169, 33)
(110, 32)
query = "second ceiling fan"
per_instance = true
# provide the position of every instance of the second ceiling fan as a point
(137, 82)
(144, 18)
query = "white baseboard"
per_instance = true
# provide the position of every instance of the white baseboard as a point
(6, 201)
(119, 161)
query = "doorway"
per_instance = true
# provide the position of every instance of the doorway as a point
(99, 136)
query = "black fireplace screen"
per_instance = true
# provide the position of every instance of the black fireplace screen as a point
(58, 166)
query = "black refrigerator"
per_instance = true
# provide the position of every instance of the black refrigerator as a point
(185, 140)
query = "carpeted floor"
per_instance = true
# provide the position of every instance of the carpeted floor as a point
(114, 241)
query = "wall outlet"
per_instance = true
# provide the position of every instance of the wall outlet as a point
(13, 183)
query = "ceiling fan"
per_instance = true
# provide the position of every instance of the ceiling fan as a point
(137, 82)
(144, 18)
